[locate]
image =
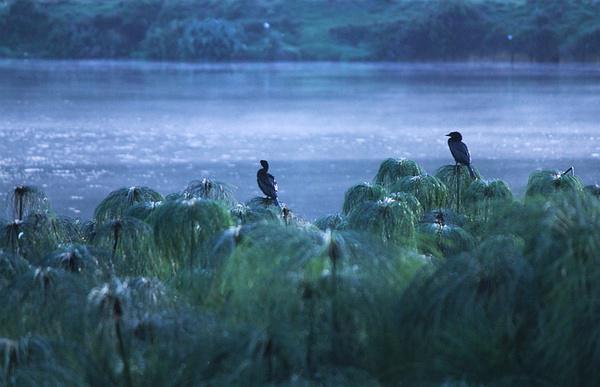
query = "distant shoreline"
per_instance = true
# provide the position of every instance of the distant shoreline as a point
(124, 62)
(303, 30)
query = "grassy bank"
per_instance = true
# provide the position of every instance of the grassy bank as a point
(418, 280)
(372, 30)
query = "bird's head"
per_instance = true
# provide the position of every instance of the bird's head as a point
(264, 164)
(456, 136)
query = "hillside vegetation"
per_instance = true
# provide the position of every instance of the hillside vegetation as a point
(265, 30)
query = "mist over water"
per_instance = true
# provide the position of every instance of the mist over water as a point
(82, 129)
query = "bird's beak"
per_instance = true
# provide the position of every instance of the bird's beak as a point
(448, 135)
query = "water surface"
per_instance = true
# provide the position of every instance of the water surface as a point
(82, 129)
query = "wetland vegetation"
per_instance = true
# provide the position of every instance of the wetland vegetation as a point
(398, 288)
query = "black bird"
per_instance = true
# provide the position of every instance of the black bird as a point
(460, 152)
(266, 182)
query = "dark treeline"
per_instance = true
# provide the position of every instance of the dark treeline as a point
(390, 30)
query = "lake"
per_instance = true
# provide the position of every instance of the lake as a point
(81, 129)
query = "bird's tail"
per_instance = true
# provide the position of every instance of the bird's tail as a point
(472, 172)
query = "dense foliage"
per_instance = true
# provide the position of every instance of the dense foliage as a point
(224, 30)
(397, 289)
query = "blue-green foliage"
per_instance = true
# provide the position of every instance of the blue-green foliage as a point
(388, 221)
(359, 194)
(211, 292)
(430, 191)
(482, 194)
(593, 190)
(458, 180)
(457, 316)
(186, 229)
(119, 201)
(448, 31)
(447, 239)
(209, 39)
(78, 259)
(410, 200)
(333, 222)
(546, 31)
(546, 183)
(392, 170)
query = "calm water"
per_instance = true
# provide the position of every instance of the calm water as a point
(82, 129)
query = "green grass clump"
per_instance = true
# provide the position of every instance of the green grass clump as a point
(445, 216)
(488, 190)
(39, 233)
(333, 222)
(390, 222)
(130, 242)
(567, 258)
(449, 175)
(210, 190)
(143, 210)
(271, 265)
(593, 190)
(310, 292)
(482, 193)
(30, 361)
(25, 200)
(447, 239)
(356, 195)
(118, 202)
(42, 299)
(410, 200)
(184, 229)
(9, 237)
(429, 190)
(77, 259)
(392, 170)
(545, 183)
(11, 266)
(244, 214)
(522, 220)
(457, 315)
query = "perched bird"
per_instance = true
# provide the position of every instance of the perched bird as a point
(266, 182)
(460, 152)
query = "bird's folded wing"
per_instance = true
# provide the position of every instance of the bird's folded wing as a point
(461, 153)
(273, 182)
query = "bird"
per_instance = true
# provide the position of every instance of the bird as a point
(460, 152)
(266, 182)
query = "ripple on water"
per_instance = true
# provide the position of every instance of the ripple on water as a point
(193, 120)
